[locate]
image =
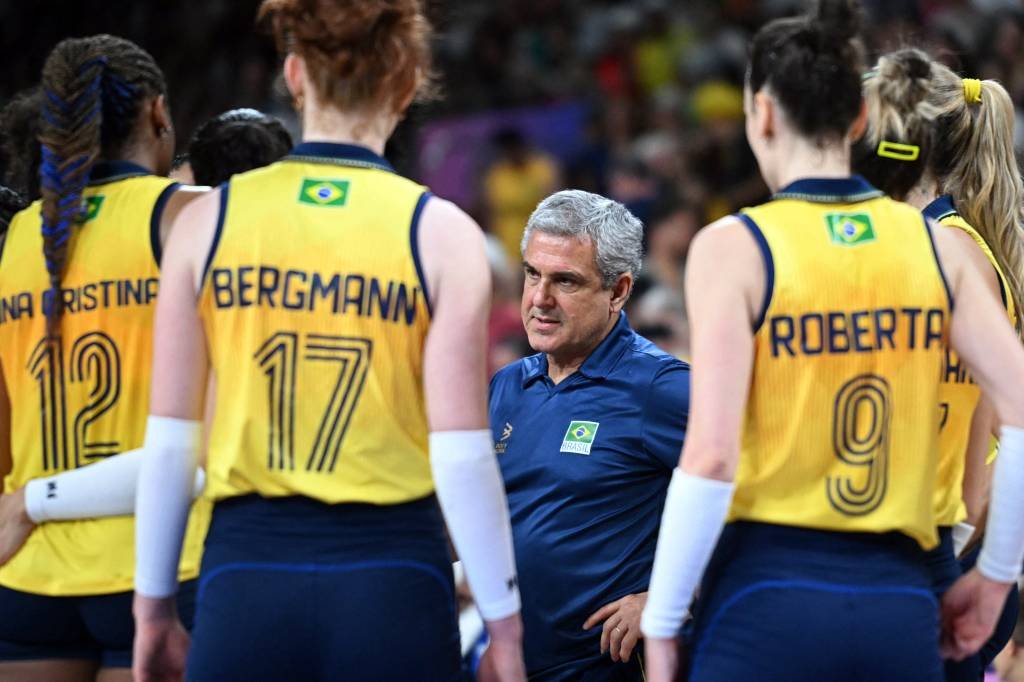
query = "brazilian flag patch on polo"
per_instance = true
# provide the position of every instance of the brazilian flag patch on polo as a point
(850, 229)
(323, 192)
(579, 437)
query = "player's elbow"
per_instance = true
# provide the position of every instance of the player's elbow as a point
(714, 460)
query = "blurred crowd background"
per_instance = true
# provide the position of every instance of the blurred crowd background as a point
(641, 101)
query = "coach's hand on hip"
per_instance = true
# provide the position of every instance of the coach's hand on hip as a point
(621, 625)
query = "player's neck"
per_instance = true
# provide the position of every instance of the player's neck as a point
(802, 158)
(359, 128)
(923, 193)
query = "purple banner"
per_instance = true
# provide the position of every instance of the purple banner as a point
(454, 153)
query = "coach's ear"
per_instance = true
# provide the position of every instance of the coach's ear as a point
(620, 292)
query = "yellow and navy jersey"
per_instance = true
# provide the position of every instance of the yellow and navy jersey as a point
(958, 394)
(83, 395)
(316, 313)
(841, 427)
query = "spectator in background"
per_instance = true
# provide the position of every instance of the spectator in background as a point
(587, 433)
(234, 142)
(514, 184)
(506, 340)
(19, 146)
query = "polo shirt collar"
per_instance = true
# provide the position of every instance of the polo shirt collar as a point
(598, 364)
(830, 190)
(943, 207)
(339, 153)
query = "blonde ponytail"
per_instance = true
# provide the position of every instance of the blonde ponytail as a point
(974, 161)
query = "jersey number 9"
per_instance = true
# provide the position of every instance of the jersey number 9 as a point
(860, 436)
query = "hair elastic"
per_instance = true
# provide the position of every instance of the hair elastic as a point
(972, 90)
(898, 151)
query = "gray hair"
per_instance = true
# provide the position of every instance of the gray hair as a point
(616, 233)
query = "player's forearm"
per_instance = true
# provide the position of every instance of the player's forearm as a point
(103, 489)
(472, 497)
(166, 480)
(695, 511)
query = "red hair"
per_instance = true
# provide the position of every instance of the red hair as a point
(358, 53)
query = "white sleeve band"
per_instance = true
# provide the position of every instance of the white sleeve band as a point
(166, 480)
(472, 498)
(106, 488)
(695, 511)
(1003, 548)
(962, 534)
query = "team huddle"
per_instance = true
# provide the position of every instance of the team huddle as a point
(247, 425)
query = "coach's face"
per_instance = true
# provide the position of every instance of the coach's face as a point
(566, 310)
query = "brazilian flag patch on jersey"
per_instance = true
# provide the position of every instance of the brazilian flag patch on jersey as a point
(92, 207)
(850, 229)
(323, 192)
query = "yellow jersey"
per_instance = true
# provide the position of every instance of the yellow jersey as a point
(316, 313)
(84, 395)
(841, 428)
(958, 394)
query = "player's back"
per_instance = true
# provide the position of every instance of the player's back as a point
(316, 315)
(841, 424)
(83, 394)
(958, 394)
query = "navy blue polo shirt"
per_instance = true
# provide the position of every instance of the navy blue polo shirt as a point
(586, 465)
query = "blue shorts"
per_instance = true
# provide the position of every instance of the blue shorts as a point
(35, 627)
(945, 571)
(294, 589)
(787, 604)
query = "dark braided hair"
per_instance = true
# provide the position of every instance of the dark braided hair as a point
(93, 89)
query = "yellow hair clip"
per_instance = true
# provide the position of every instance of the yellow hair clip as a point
(972, 91)
(898, 151)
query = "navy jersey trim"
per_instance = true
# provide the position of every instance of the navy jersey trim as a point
(414, 230)
(221, 214)
(105, 172)
(1002, 283)
(849, 190)
(940, 209)
(339, 154)
(938, 263)
(157, 218)
(769, 266)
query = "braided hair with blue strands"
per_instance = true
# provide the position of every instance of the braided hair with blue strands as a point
(93, 89)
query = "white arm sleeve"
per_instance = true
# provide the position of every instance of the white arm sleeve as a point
(166, 481)
(472, 498)
(105, 488)
(695, 511)
(1003, 548)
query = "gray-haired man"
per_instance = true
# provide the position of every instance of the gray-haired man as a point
(587, 433)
